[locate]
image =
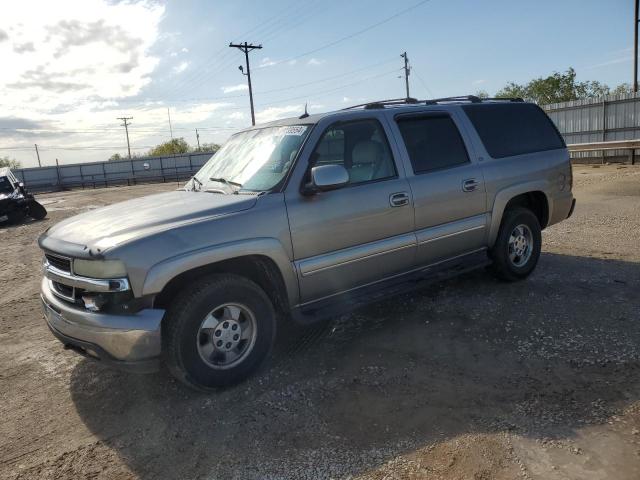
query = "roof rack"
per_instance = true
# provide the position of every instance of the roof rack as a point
(435, 101)
(384, 103)
(471, 99)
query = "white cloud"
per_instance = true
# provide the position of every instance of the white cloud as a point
(181, 67)
(346, 99)
(478, 82)
(292, 62)
(78, 49)
(266, 62)
(184, 50)
(235, 88)
(613, 61)
(274, 113)
(236, 116)
(73, 63)
(315, 62)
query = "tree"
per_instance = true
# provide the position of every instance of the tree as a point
(557, 87)
(172, 147)
(208, 147)
(482, 94)
(9, 162)
(622, 89)
(115, 157)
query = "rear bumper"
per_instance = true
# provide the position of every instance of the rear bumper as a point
(561, 207)
(129, 342)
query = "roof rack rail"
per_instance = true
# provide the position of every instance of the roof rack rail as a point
(471, 99)
(414, 101)
(383, 103)
(460, 98)
(505, 99)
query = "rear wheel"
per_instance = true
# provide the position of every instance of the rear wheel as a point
(517, 249)
(218, 332)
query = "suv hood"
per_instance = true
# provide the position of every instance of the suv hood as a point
(115, 224)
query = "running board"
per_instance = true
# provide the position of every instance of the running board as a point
(345, 302)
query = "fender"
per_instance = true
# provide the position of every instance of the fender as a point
(161, 273)
(503, 196)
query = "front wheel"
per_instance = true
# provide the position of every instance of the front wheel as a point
(36, 210)
(517, 249)
(218, 331)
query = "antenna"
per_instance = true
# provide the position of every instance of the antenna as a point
(305, 114)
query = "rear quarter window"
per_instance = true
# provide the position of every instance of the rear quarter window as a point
(509, 129)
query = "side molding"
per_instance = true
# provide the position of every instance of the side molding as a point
(161, 273)
(502, 198)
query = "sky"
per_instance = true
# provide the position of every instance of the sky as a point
(72, 67)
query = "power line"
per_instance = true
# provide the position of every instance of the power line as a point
(424, 84)
(295, 13)
(355, 34)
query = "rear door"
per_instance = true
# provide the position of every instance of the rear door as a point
(446, 182)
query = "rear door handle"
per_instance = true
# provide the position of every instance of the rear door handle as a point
(399, 199)
(469, 185)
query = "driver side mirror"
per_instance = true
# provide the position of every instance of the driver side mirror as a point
(325, 178)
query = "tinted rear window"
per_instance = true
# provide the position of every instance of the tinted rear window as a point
(508, 129)
(433, 142)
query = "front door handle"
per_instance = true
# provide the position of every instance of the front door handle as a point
(399, 199)
(469, 185)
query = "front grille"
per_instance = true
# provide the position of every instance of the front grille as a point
(61, 263)
(71, 294)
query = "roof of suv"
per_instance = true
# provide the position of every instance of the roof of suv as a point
(401, 104)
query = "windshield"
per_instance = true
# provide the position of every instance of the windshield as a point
(5, 185)
(254, 160)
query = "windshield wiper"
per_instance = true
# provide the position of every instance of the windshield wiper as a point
(194, 184)
(225, 181)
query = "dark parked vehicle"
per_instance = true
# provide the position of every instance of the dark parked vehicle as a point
(16, 203)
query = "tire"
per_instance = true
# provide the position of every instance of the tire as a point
(16, 217)
(204, 321)
(507, 264)
(36, 210)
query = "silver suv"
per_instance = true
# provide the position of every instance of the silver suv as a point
(298, 220)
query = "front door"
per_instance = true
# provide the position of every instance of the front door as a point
(360, 233)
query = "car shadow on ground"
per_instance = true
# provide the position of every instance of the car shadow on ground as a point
(26, 221)
(541, 358)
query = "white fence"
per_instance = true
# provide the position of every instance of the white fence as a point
(603, 119)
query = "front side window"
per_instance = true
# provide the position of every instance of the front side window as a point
(433, 142)
(360, 146)
(254, 160)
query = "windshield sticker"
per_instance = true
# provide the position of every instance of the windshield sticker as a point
(297, 130)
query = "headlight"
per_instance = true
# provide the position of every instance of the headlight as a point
(99, 268)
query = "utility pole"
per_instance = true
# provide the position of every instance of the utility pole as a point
(198, 139)
(407, 69)
(38, 154)
(125, 124)
(246, 48)
(170, 129)
(635, 47)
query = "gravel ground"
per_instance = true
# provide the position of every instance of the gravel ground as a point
(470, 378)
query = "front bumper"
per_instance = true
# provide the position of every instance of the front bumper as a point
(129, 342)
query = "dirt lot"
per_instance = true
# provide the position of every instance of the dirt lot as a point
(471, 378)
